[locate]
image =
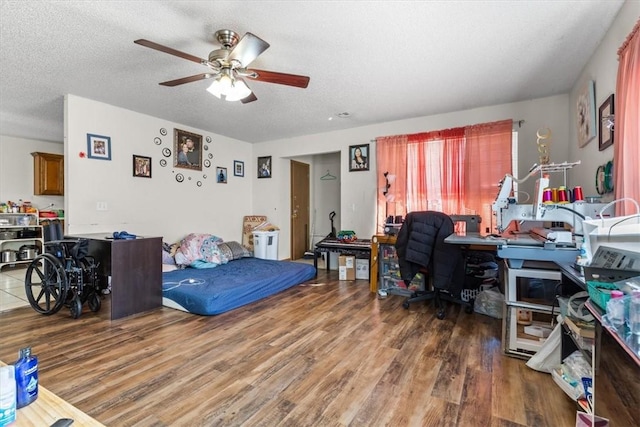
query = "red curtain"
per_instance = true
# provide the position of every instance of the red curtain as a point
(489, 154)
(391, 159)
(455, 171)
(626, 135)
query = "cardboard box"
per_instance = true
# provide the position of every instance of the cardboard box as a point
(362, 269)
(346, 267)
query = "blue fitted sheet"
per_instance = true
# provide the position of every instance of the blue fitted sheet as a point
(217, 290)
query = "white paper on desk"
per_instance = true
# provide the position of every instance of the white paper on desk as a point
(621, 232)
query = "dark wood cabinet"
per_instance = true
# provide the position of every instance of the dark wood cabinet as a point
(134, 269)
(48, 174)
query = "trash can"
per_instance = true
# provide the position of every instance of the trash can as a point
(265, 244)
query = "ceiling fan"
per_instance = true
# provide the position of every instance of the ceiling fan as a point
(228, 66)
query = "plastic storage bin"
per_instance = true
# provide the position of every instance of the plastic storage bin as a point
(265, 244)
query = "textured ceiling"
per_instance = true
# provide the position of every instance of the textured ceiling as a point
(379, 61)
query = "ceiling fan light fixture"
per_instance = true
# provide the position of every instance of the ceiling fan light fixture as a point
(227, 88)
(239, 90)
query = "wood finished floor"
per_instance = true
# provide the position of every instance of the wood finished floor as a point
(315, 355)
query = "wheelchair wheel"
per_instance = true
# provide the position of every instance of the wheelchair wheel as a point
(46, 284)
(94, 302)
(75, 306)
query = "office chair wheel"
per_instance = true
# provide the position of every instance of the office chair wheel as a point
(405, 305)
(468, 308)
(75, 307)
(47, 278)
(440, 314)
(94, 302)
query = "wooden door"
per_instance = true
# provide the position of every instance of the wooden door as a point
(299, 209)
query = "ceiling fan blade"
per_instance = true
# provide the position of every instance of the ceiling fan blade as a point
(279, 78)
(249, 98)
(171, 51)
(248, 48)
(190, 79)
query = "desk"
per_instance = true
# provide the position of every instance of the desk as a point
(135, 268)
(473, 238)
(359, 247)
(48, 408)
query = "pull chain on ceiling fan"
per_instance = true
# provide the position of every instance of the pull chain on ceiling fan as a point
(228, 66)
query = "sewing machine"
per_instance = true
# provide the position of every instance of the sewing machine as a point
(532, 240)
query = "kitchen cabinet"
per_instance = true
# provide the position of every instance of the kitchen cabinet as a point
(48, 174)
(385, 270)
(20, 234)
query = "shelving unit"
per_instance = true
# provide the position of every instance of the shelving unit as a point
(519, 297)
(385, 271)
(614, 360)
(16, 231)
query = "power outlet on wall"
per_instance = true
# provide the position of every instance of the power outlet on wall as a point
(101, 206)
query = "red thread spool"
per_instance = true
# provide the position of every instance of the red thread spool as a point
(577, 194)
(563, 197)
(547, 196)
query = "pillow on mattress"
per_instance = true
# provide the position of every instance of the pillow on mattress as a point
(234, 250)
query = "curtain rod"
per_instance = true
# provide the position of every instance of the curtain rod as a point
(519, 122)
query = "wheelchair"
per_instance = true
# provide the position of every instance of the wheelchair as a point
(64, 275)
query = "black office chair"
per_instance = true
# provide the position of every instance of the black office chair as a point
(421, 249)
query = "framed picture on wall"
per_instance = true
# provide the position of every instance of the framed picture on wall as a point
(605, 123)
(141, 166)
(264, 167)
(359, 158)
(221, 175)
(238, 168)
(98, 147)
(586, 114)
(187, 150)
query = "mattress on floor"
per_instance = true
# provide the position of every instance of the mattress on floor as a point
(210, 291)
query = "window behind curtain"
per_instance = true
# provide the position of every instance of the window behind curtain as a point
(455, 171)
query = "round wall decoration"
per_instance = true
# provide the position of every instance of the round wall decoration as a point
(163, 131)
(206, 163)
(157, 140)
(179, 177)
(163, 162)
(166, 152)
(208, 139)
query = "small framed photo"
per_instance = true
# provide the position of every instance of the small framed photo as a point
(221, 175)
(98, 147)
(238, 168)
(187, 150)
(606, 124)
(359, 158)
(141, 166)
(264, 167)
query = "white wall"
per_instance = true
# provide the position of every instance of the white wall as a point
(358, 190)
(603, 69)
(159, 206)
(16, 171)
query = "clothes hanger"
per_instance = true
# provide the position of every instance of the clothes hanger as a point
(327, 176)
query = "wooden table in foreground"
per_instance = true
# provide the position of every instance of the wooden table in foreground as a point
(47, 409)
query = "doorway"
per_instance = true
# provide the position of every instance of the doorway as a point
(299, 209)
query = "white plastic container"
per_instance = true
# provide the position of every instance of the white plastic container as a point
(265, 244)
(7, 395)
